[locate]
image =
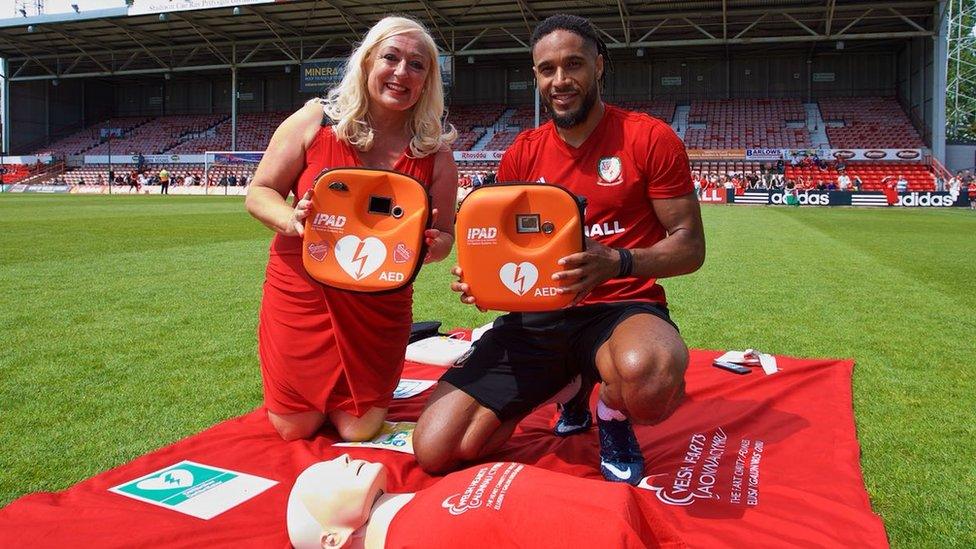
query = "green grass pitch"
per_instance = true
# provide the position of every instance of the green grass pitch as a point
(127, 323)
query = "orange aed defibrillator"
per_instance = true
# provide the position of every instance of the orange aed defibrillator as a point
(365, 229)
(510, 237)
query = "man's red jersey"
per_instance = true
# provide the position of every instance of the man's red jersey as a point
(518, 505)
(627, 161)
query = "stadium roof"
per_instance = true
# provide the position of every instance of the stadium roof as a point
(114, 42)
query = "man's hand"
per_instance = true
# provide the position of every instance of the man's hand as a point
(462, 288)
(587, 270)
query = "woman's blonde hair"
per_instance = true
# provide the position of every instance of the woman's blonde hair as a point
(347, 104)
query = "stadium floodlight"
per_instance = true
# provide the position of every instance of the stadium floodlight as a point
(839, 45)
(236, 10)
(287, 69)
(640, 52)
(55, 82)
(163, 17)
(30, 28)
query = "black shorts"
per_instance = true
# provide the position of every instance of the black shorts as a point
(526, 358)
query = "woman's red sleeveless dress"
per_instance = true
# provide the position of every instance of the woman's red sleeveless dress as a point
(325, 349)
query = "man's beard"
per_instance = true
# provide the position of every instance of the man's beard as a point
(575, 118)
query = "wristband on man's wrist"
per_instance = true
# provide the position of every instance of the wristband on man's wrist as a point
(626, 263)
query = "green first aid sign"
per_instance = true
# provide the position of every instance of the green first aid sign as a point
(195, 489)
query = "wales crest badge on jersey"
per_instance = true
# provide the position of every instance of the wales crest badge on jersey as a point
(610, 170)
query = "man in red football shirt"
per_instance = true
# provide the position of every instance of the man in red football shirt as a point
(642, 223)
(343, 503)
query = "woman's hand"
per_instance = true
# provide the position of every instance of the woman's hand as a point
(295, 226)
(439, 243)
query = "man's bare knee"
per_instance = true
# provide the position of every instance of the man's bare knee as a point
(652, 384)
(434, 457)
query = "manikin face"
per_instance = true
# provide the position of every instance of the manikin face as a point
(396, 71)
(567, 71)
(331, 499)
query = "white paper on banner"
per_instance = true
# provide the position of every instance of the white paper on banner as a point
(437, 351)
(396, 436)
(478, 332)
(412, 387)
(750, 357)
(194, 489)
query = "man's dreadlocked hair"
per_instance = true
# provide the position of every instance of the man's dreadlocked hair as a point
(579, 26)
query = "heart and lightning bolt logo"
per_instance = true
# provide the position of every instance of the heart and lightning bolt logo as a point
(176, 478)
(519, 278)
(360, 258)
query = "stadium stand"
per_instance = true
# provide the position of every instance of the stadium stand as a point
(471, 122)
(722, 167)
(746, 123)
(15, 172)
(95, 174)
(217, 173)
(254, 130)
(84, 140)
(663, 109)
(920, 177)
(868, 123)
(159, 135)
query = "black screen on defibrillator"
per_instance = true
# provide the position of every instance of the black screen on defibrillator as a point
(527, 223)
(380, 205)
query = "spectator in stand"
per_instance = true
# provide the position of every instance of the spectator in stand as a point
(111, 176)
(940, 184)
(189, 181)
(843, 181)
(831, 186)
(792, 193)
(890, 189)
(902, 184)
(954, 185)
(164, 181)
(780, 167)
(821, 186)
(243, 180)
(967, 179)
(857, 183)
(972, 195)
(489, 178)
(99, 180)
(232, 181)
(475, 180)
(223, 180)
(753, 180)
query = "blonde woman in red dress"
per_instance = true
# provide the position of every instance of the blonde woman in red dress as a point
(330, 356)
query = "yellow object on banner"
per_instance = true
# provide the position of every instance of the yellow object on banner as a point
(396, 436)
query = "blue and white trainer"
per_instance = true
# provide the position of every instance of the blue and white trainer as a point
(572, 420)
(621, 459)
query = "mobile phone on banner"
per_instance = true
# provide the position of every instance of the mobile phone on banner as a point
(731, 367)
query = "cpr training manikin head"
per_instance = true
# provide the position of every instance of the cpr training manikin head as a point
(332, 499)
